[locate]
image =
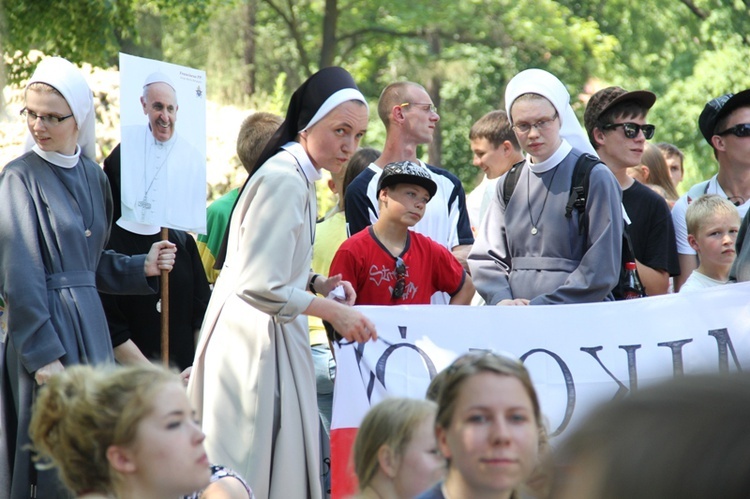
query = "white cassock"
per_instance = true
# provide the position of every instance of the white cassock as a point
(163, 183)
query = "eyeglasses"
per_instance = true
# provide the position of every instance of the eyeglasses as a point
(398, 289)
(49, 121)
(631, 129)
(540, 125)
(427, 106)
(741, 130)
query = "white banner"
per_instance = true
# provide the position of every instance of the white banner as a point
(578, 355)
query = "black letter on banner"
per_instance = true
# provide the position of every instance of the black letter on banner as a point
(723, 339)
(622, 390)
(381, 363)
(632, 371)
(359, 353)
(569, 386)
(676, 347)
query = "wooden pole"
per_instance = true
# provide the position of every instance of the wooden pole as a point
(165, 308)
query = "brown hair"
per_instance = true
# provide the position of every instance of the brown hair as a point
(471, 364)
(255, 132)
(82, 411)
(495, 127)
(392, 422)
(44, 88)
(685, 438)
(671, 150)
(658, 171)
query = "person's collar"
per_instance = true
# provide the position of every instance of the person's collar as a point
(299, 153)
(58, 159)
(154, 142)
(553, 160)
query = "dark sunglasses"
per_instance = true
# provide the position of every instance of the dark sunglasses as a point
(631, 129)
(398, 289)
(741, 130)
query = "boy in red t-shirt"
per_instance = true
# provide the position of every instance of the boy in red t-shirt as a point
(388, 264)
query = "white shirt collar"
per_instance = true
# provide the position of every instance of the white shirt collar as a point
(58, 159)
(553, 160)
(295, 149)
(153, 142)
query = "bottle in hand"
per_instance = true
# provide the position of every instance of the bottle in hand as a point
(633, 287)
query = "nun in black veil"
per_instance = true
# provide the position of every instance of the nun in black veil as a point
(253, 382)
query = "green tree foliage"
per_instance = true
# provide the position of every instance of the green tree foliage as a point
(257, 51)
(91, 31)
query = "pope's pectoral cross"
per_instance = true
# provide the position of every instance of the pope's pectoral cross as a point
(144, 204)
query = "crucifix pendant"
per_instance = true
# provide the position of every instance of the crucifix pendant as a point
(534, 231)
(144, 204)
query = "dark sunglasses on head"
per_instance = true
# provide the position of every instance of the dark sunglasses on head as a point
(631, 129)
(398, 289)
(741, 130)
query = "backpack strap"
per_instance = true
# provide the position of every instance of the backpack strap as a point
(697, 191)
(511, 179)
(579, 189)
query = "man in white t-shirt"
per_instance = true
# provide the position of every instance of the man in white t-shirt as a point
(410, 119)
(495, 150)
(725, 124)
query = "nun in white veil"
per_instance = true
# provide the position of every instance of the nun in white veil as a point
(56, 209)
(529, 252)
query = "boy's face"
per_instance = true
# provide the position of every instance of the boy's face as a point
(489, 158)
(404, 202)
(715, 239)
(619, 150)
(674, 163)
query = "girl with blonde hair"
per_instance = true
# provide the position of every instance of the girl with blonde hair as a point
(395, 452)
(122, 432)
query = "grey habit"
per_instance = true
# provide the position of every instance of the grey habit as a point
(49, 275)
(557, 265)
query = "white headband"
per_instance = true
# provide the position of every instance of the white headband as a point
(343, 95)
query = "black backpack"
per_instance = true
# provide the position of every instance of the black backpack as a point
(579, 188)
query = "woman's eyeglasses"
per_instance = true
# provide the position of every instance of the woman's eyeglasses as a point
(49, 121)
(540, 125)
(398, 289)
(741, 130)
(631, 129)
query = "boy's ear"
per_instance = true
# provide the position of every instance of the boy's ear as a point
(598, 136)
(507, 147)
(693, 243)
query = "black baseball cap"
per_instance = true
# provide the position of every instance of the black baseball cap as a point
(719, 108)
(406, 172)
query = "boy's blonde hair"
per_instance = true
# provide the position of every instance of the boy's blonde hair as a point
(83, 410)
(707, 206)
(392, 422)
(255, 132)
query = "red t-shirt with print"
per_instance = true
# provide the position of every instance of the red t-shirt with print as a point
(364, 261)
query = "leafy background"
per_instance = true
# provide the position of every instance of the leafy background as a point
(257, 51)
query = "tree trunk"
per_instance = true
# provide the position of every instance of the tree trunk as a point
(434, 152)
(330, 24)
(249, 56)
